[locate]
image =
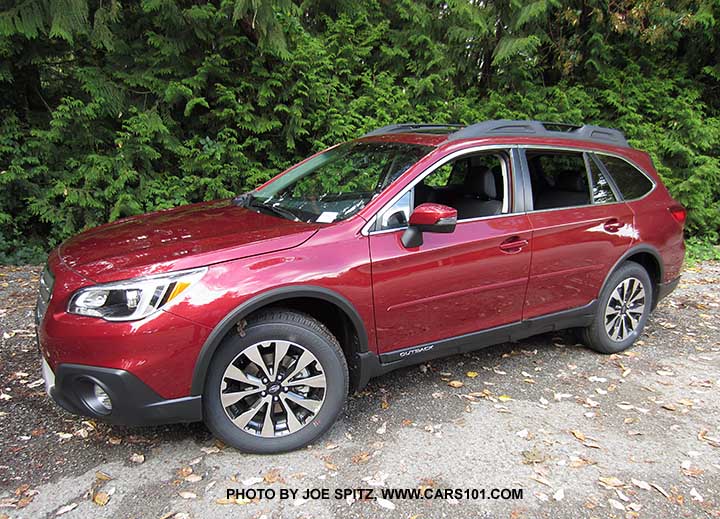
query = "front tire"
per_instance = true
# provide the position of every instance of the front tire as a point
(623, 309)
(276, 387)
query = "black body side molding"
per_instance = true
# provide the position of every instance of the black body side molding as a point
(372, 365)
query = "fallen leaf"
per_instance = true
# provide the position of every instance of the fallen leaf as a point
(504, 398)
(361, 457)
(695, 495)
(660, 489)
(273, 476)
(66, 508)
(578, 434)
(611, 481)
(533, 456)
(102, 476)
(193, 478)
(101, 498)
(471, 374)
(455, 383)
(137, 458)
(616, 504)
(382, 429)
(385, 503)
(232, 501)
(210, 450)
(559, 495)
(185, 472)
(187, 495)
(641, 484)
(581, 462)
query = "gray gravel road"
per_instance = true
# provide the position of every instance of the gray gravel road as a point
(582, 434)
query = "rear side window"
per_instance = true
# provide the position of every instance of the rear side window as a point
(559, 179)
(631, 182)
(602, 193)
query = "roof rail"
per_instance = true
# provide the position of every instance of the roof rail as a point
(504, 127)
(411, 127)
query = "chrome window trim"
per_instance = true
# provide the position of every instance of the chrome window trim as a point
(366, 229)
(595, 152)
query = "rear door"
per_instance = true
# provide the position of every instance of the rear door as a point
(457, 283)
(580, 229)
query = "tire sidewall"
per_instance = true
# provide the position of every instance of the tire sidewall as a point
(336, 390)
(628, 270)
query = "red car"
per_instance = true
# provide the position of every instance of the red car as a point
(258, 315)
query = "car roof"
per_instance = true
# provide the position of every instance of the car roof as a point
(437, 134)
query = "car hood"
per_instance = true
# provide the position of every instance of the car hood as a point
(185, 237)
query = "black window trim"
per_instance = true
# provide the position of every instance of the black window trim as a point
(590, 157)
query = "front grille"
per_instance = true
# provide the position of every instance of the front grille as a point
(47, 280)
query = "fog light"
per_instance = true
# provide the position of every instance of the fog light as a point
(102, 397)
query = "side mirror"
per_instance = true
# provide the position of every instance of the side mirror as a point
(428, 218)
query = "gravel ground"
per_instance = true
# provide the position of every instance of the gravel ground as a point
(582, 434)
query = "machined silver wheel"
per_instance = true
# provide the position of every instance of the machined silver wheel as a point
(624, 309)
(273, 388)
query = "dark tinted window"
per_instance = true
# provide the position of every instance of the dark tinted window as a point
(474, 185)
(601, 191)
(558, 179)
(631, 182)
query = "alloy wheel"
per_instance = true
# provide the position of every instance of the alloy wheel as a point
(624, 309)
(273, 388)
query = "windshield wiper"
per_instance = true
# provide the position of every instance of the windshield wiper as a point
(277, 210)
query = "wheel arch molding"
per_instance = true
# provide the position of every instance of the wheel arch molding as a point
(655, 277)
(262, 300)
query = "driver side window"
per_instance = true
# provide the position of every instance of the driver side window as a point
(475, 185)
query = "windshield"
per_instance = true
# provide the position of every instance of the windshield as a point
(337, 183)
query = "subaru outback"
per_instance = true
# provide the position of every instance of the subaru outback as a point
(259, 315)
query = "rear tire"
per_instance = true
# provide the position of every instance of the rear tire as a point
(268, 409)
(623, 309)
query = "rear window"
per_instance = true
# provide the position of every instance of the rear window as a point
(559, 179)
(631, 182)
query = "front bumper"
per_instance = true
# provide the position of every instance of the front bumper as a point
(133, 402)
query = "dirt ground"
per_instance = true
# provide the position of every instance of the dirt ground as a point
(582, 434)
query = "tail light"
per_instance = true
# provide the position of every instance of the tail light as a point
(679, 213)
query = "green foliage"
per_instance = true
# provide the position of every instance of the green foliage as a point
(109, 109)
(701, 249)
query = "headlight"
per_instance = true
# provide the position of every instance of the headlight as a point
(133, 299)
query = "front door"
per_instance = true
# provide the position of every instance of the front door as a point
(453, 284)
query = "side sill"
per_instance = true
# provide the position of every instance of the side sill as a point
(372, 365)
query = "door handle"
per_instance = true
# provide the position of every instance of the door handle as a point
(613, 225)
(513, 245)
